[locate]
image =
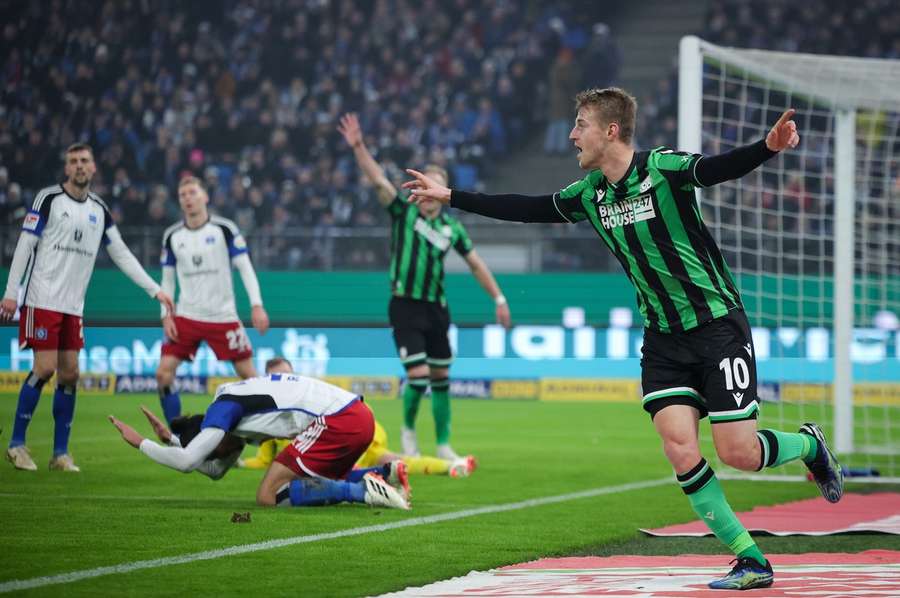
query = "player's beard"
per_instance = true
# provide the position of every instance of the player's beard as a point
(82, 182)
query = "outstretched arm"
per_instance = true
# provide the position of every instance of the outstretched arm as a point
(159, 428)
(517, 208)
(127, 263)
(487, 281)
(212, 468)
(738, 162)
(352, 133)
(184, 459)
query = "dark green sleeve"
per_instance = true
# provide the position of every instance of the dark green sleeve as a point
(461, 241)
(677, 167)
(398, 205)
(568, 201)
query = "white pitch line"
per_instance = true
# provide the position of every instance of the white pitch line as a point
(37, 582)
(69, 497)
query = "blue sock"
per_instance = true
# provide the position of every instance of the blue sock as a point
(314, 492)
(28, 400)
(171, 403)
(63, 414)
(356, 475)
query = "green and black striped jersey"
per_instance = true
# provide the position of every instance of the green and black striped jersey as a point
(651, 222)
(418, 248)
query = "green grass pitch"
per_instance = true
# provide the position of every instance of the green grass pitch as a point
(123, 508)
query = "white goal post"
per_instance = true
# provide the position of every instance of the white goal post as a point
(813, 237)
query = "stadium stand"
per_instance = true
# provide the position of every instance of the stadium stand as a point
(247, 97)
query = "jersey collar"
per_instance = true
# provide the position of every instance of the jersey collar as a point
(72, 197)
(205, 222)
(620, 182)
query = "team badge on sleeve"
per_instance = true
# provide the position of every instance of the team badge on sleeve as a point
(32, 220)
(239, 242)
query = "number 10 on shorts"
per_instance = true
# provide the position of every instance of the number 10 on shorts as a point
(736, 372)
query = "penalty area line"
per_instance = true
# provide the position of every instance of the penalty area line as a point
(73, 576)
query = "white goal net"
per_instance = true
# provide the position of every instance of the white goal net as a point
(813, 236)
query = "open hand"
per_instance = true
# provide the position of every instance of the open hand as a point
(7, 309)
(350, 129)
(170, 328)
(784, 134)
(128, 433)
(159, 428)
(259, 318)
(164, 298)
(422, 188)
(504, 318)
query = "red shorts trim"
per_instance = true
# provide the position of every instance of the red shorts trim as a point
(228, 340)
(48, 330)
(330, 446)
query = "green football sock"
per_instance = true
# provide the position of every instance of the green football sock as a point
(778, 448)
(752, 550)
(708, 501)
(440, 408)
(412, 395)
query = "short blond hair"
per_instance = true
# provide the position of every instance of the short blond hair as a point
(611, 105)
(437, 169)
(79, 147)
(191, 180)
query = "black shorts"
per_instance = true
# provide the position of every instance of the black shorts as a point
(712, 368)
(420, 332)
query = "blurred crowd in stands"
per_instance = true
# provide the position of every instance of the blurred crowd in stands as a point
(246, 95)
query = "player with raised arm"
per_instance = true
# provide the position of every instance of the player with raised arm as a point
(698, 356)
(200, 251)
(329, 427)
(420, 240)
(61, 236)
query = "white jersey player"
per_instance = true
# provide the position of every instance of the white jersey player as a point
(200, 251)
(61, 236)
(330, 428)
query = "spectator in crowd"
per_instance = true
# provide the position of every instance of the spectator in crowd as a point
(602, 59)
(564, 82)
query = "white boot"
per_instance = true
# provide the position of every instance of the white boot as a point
(63, 462)
(463, 467)
(20, 457)
(443, 451)
(409, 442)
(381, 494)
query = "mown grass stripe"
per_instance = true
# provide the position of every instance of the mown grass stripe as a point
(63, 578)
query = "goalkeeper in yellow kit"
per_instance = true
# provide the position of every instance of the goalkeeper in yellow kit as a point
(377, 453)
